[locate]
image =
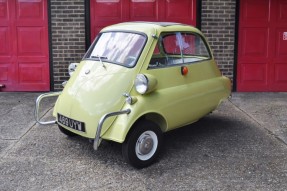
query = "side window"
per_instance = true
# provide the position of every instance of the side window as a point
(179, 48)
(171, 45)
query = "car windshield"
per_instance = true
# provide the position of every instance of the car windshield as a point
(120, 48)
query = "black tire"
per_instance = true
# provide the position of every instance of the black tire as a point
(66, 132)
(142, 155)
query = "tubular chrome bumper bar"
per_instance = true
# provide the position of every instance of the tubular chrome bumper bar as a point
(38, 101)
(101, 122)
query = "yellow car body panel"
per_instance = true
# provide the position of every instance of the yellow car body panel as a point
(176, 112)
(84, 101)
(97, 87)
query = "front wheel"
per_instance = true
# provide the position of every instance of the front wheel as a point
(143, 144)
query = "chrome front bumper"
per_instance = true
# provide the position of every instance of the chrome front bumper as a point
(101, 122)
(37, 107)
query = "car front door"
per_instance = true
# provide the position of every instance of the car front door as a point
(182, 64)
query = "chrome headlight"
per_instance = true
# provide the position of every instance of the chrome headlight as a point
(141, 84)
(72, 67)
(145, 83)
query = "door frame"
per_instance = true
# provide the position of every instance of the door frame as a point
(50, 48)
(235, 61)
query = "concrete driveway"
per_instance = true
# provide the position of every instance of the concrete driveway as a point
(240, 146)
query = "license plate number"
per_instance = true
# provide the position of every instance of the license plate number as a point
(71, 123)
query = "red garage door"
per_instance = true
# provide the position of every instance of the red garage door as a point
(107, 12)
(24, 57)
(262, 46)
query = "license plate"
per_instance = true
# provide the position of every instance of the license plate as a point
(71, 123)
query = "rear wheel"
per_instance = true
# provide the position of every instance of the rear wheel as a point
(143, 144)
(66, 132)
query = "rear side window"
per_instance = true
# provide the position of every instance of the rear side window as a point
(179, 48)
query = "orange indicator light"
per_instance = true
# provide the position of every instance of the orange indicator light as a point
(184, 70)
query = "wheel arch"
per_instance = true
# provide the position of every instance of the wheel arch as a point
(154, 117)
(114, 134)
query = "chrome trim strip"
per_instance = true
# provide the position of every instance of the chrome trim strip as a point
(101, 122)
(37, 107)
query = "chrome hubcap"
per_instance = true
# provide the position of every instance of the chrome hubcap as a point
(146, 145)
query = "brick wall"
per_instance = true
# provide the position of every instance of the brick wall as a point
(68, 36)
(218, 25)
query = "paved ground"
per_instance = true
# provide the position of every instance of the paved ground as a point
(240, 146)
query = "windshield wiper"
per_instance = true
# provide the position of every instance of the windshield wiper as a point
(100, 58)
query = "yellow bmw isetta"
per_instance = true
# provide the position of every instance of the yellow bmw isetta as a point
(137, 81)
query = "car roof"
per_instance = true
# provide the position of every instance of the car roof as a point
(151, 27)
(163, 24)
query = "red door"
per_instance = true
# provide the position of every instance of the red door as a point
(107, 12)
(24, 53)
(262, 46)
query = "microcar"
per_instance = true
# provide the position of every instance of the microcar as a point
(137, 81)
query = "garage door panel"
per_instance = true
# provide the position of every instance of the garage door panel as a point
(114, 8)
(6, 73)
(252, 12)
(254, 73)
(28, 46)
(101, 18)
(281, 42)
(31, 76)
(5, 44)
(280, 72)
(255, 41)
(180, 11)
(282, 13)
(27, 10)
(4, 11)
(4, 69)
(139, 9)
(30, 72)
